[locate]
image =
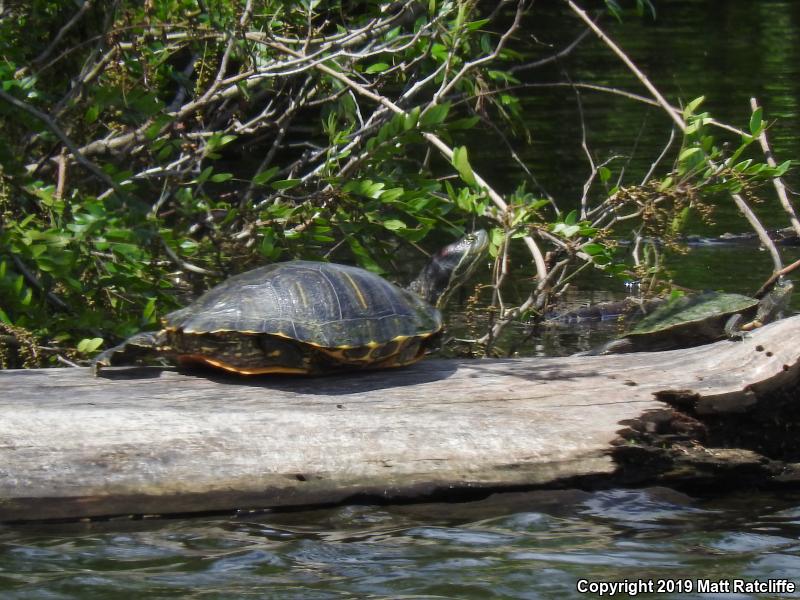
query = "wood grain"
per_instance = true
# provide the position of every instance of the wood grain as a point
(160, 441)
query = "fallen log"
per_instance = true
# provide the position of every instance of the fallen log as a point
(157, 441)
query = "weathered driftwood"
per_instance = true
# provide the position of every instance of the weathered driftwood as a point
(139, 441)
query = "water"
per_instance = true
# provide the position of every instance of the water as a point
(745, 50)
(522, 545)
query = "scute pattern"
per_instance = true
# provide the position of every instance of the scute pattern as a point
(692, 310)
(322, 304)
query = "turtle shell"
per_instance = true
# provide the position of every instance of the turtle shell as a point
(691, 312)
(319, 304)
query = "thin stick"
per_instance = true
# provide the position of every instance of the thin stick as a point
(763, 236)
(434, 140)
(52, 126)
(769, 283)
(634, 69)
(776, 181)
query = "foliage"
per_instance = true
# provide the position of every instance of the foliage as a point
(150, 149)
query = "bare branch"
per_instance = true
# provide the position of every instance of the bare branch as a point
(780, 189)
(59, 133)
(85, 6)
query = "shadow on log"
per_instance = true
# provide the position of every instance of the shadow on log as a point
(154, 441)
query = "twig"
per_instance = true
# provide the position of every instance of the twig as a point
(555, 57)
(776, 181)
(661, 156)
(87, 4)
(52, 126)
(588, 183)
(32, 279)
(432, 139)
(185, 265)
(675, 115)
(65, 361)
(762, 234)
(448, 85)
(769, 283)
(62, 175)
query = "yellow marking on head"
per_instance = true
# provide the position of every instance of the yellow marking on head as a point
(400, 338)
(274, 354)
(359, 295)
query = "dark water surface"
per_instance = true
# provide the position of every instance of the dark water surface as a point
(536, 545)
(520, 545)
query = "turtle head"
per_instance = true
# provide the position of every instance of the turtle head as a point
(450, 268)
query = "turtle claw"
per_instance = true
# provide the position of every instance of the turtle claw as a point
(136, 347)
(102, 360)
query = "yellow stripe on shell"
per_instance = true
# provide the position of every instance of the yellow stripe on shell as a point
(359, 295)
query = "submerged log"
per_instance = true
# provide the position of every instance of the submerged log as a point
(148, 440)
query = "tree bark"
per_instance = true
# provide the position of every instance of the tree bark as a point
(148, 440)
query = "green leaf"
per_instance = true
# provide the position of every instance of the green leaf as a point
(363, 255)
(781, 169)
(689, 153)
(390, 195)
(475, 25)
(566, 230)
(265, 176)
(411, 118)
(615, 9)
(285, 184)
(680, 220)
(204, 175)
(89, 345)
(376, 68)
(461, 163)
(594, 249)
(604, 173)
(691, 107)
(434, 115)
(756, 124)
(149, 311)
(92, 113)
(394, 224)
(220, 177)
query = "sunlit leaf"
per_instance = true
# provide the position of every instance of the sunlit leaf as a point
(89, 345)
(376, 68)
(394, 224)
(692, 106)
(434, 115)
(265, 176)
(285, 184)
(461, 163)
(756, 124)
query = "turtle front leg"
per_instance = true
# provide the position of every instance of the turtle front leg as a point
(733, 328)
(134, 349)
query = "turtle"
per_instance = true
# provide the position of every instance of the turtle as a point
(308, 317)
(687, 321)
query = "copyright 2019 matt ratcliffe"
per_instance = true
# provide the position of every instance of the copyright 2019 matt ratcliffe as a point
(633, 587)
